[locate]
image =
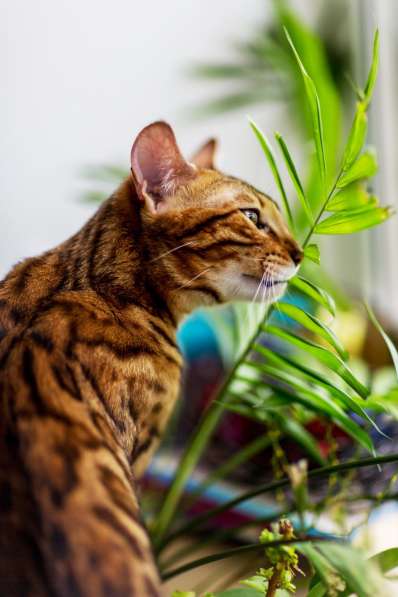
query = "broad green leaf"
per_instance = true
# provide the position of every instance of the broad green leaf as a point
(373, 69)
(312, 252)
(294, 177)
(362, 578)
(347, 222)
(313, 324)
(364, 167)
(317, 294)
(356, 138)
(240, 592)
(321, 403)
(315, 109)
(390, 345)
(386, 560)
(326, 357)
(269, 154)
(353, 196)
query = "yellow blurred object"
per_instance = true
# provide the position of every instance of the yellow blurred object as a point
(350, 327)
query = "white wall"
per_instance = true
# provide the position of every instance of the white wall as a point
(80, 78)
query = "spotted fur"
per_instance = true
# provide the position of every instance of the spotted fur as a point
(90, 367)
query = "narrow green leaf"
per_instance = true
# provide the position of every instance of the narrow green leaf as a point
(326, 357)
(353, 196)
(317, 294)
(269, 154)
(294, 177)
(315, 109)
(347, 222)
(373, 69)
(386, 560)
(357, 136)
(317, 380)
(364, 167)
(301, 436)
(314, 325)
(326, 572)
(391, 347)
(321, 403)
(312, 252)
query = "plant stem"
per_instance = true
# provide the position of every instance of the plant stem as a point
(222, 555)
(273, 584)
(195, 448)
(324, 205)
(315, 473)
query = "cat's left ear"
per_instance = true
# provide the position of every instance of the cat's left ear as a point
(158, 166)
(204, 157)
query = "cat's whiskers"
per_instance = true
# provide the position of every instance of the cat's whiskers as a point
(194, 278)
(191, 242)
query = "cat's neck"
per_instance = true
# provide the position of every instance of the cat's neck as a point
(110, 256)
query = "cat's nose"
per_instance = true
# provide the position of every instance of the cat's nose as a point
(296, 254)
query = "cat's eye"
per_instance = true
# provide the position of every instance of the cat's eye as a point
(254, 216)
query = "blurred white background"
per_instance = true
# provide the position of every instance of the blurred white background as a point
(79, 80)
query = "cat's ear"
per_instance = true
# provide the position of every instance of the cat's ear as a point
(204, 157)
(157, 165)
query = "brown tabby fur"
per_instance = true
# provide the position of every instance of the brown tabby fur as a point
(90, 368)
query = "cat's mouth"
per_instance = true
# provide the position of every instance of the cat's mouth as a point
(265, 282)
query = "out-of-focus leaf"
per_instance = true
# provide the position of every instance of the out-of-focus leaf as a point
(357, 136)
(313, 324)
(312, 252)
(373, 69)
(353, 196)
(330, 579)
(266, 147)
(347, 222)
(94, 197)
(291, 168)
(317, 294)
(241, 592)
(326, 357)
(364, 167)
(362, 577)
(386, 560)
(315, 108)
(301, 436)
(390, 345)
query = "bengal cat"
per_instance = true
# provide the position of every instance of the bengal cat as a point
(90, 368)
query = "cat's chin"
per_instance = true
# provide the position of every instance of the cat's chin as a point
(263, 291)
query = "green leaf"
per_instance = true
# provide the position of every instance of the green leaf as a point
(364, 167)
(390, 345)
(301, 436)
(320, 403)
(347, 222)
(373, 69)
(317, 380)
(386, 560)
(326, 357)
(294, 177)
(313, 324)
(353, 196)
(267, 149)
(315, 109)
(241, 592)
(357, 136)
(317, 294)
(318, 590)
(361, 576)
(312, 252)
(325, 571)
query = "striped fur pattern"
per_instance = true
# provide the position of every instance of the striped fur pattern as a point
(90, 368)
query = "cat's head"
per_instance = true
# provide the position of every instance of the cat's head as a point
(210, 237)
